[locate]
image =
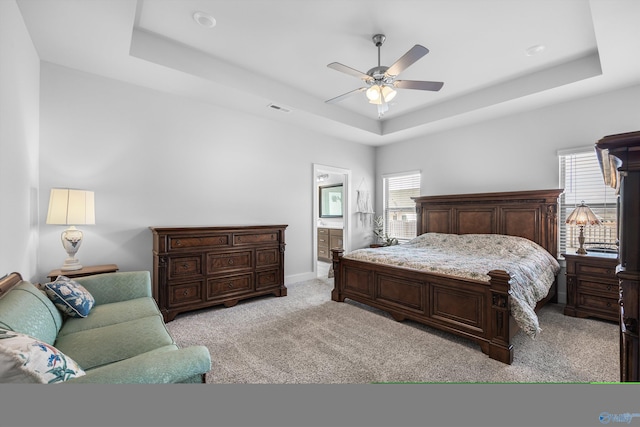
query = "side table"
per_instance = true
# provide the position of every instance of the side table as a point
(84, 271)
(592, 286)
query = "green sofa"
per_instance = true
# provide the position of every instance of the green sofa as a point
(123, 339)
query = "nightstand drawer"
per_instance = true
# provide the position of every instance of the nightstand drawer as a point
(598, 302)
(596, 270)
(607, 288)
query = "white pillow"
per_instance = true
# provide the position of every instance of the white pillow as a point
(24, 359)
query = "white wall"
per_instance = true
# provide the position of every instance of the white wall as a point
(517, 152)
(19, 115)
(154, 159)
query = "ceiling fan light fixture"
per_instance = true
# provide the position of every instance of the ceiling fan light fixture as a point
(373, 93)
(388, 93)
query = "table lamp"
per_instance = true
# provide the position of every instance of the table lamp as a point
(71, 207)
(581, 216)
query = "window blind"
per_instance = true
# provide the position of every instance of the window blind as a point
(399, 207)
(582, 180)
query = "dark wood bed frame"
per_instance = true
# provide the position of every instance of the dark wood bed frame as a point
(473, 309)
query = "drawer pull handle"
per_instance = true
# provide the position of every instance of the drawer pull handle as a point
(185, 293)
(221, 240)
(185, 265)
(230, 261)
(608, 287)
(608, 304)
(178, 242)
(229, 285)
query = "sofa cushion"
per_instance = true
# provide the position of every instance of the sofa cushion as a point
(111, 314)
(108, 344)
(28, 310)
(70, 297)
(24, 359)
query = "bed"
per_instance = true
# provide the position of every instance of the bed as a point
(484, 306)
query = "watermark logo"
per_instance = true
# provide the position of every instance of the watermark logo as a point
(606, 417)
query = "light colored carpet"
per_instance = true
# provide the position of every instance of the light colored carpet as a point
(305, 338)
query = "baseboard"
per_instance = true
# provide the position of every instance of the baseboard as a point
(295, 278)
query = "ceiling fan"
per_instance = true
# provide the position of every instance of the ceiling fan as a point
(381, 80)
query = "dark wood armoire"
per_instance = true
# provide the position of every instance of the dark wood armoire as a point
(619, 157)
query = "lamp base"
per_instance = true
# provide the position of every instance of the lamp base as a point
(71, 264)
(581, 251)
(71, 241)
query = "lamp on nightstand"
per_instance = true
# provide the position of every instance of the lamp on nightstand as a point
(71, 207)
(581, 216)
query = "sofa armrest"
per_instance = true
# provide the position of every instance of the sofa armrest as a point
(161, 366)
(119, 286)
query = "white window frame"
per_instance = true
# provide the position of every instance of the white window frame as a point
(391, 228)
(581, 178)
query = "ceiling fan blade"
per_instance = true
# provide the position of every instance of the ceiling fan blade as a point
(348, 70)
(415, 53)
(345, 95)
(418, 84)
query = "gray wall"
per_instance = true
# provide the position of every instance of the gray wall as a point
(154, 159)
(19, 109)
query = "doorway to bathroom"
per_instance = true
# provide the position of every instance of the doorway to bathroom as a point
(331, 213)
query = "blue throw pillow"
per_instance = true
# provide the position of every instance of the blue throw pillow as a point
(69, 296)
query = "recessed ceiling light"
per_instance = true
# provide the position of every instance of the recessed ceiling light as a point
(204, 19)
(535, 49)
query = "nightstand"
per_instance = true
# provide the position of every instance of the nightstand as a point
(84, 271)
(592, 286)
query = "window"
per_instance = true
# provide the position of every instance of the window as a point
(399, 207)
(582, 180)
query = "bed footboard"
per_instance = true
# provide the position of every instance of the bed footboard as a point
(473, 309)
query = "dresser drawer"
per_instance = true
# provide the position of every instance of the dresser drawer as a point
(229, 284)
(185, 266)
(267, 279)
(185, 293)
(229, 261)
(323, 232)
(255, 238)
(267, 257)
(188, 242)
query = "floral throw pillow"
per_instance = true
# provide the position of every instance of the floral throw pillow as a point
(70, 297)
(24, 359)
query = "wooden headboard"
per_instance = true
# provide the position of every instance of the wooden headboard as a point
(529, 214)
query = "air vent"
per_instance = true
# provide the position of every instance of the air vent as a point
(279, 108)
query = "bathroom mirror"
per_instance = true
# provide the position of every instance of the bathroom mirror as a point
(331, 201)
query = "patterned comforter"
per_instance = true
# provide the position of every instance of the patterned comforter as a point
(531, 267)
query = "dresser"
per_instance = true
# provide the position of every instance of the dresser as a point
(328, 238)
(199, 267)
(619, 157)
(592, 286)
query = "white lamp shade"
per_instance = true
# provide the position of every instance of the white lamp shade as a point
(373, 93)
(388, 92)
(71, 207)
